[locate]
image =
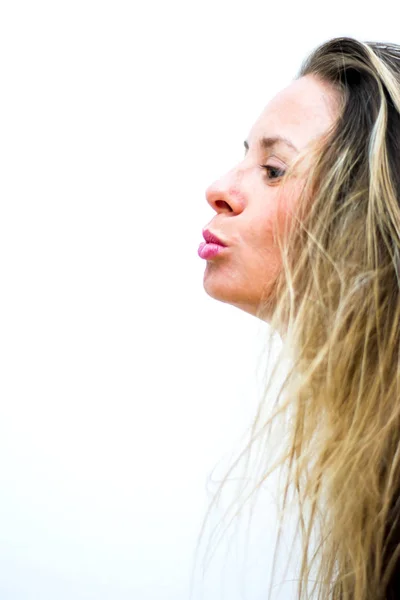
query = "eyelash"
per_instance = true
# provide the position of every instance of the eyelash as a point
(269, 168)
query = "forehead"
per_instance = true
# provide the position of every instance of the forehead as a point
(303, 111)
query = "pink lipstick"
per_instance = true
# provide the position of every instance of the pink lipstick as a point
(211, 247)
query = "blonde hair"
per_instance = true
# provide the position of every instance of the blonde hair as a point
(337, 298)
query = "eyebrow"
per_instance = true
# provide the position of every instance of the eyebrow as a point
(268, 142)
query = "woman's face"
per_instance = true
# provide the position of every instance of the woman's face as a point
(250, 198)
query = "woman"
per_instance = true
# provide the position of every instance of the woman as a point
(308, 225)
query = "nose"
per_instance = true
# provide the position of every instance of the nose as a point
(225, 194)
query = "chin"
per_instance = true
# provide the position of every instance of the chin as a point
(218, 292)
(224, 291)
(229, 295)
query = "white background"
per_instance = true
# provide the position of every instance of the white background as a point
(122, 384)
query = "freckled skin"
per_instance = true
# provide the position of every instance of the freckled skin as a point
(248, 202)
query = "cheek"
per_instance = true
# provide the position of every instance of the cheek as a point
(271, 219)
(261, 251)
(287, 204)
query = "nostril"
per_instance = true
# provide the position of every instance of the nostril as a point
(222, 204)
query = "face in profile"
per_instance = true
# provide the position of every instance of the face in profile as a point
(250, 201)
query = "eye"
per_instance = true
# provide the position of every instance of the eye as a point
(273, 172)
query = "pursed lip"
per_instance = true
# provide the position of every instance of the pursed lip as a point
(211, 238)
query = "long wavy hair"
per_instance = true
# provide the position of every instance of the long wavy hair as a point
(337, 299)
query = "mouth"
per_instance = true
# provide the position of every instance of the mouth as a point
(211, 247)
(210, 238)
(209, 250)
